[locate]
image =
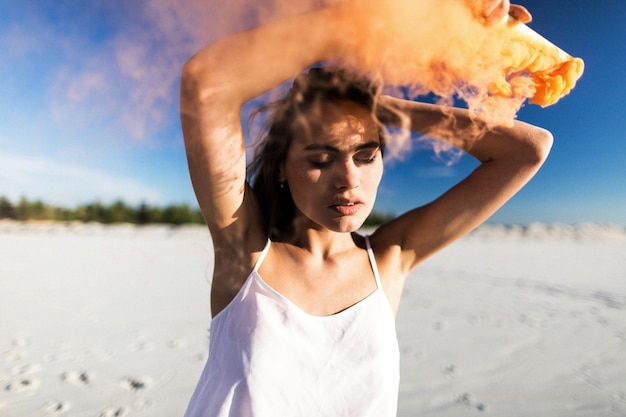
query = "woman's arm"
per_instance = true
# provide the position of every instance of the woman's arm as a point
(216, 82)
(509, 158)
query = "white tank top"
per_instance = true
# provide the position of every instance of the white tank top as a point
(269, 358)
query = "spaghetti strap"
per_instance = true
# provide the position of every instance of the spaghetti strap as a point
(370, 254)
(259, 261)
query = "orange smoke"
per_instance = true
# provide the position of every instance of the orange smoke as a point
(439, 46)
(418, 46)
(553, 72)
(428, 46)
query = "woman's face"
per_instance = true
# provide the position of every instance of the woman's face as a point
(334, 166)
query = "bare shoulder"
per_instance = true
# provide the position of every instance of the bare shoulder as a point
(390, 240)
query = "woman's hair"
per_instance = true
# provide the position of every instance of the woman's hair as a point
(310, 89)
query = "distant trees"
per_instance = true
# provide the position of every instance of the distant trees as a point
(7, 211)
(120, 212)
(117, 212)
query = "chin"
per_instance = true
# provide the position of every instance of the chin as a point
(348, 225)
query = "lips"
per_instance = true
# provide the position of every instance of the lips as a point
(346, 207)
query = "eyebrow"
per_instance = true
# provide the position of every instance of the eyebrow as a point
(329, 148)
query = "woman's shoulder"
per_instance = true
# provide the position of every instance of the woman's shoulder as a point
(385, 240)
(392, 233)
(399, 242)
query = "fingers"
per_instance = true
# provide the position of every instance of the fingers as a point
(520, 13)
(494, 10)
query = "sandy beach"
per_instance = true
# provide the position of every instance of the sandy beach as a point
(508, 322)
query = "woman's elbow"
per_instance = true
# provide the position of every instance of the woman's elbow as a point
(542, 140)
(193, 76)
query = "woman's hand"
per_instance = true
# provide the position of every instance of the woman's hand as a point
(492, 11)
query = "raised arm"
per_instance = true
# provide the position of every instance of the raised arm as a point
(215, 83)
(509, 158)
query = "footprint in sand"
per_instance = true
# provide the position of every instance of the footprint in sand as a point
(56, 407)
(469, 400)
(13, 355)
(20, 382)
(141, 346)
(78, 378)
(22, 385)
(114, 412)
(136, 384)
(449, 370)
(177, 344)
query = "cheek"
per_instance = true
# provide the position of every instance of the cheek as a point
(311, 176)
(375, 176)
(301, 179)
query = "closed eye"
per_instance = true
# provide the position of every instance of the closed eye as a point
(367, 156)
(319, 164)
(364, 155)
(321, 160)
(366, 160)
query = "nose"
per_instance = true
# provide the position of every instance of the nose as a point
(347, 175)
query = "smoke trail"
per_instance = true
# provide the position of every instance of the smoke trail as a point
(439, 46)
(434, 46)
(425, 46)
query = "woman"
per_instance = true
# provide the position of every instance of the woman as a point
(303, 307)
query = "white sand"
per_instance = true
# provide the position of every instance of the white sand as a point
(113, 321)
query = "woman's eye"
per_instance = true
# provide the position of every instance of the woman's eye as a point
(365, 158)
(320, 162)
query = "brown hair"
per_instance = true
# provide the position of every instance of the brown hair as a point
(309, 89)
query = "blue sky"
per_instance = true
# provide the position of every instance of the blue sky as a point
(89, 92)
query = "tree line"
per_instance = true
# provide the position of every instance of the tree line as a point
(116, 212)
(119, 212)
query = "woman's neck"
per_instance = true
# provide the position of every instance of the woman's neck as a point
(317, 240)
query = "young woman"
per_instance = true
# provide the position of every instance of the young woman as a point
(303, 306)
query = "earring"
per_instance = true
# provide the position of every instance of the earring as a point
(282, 185)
